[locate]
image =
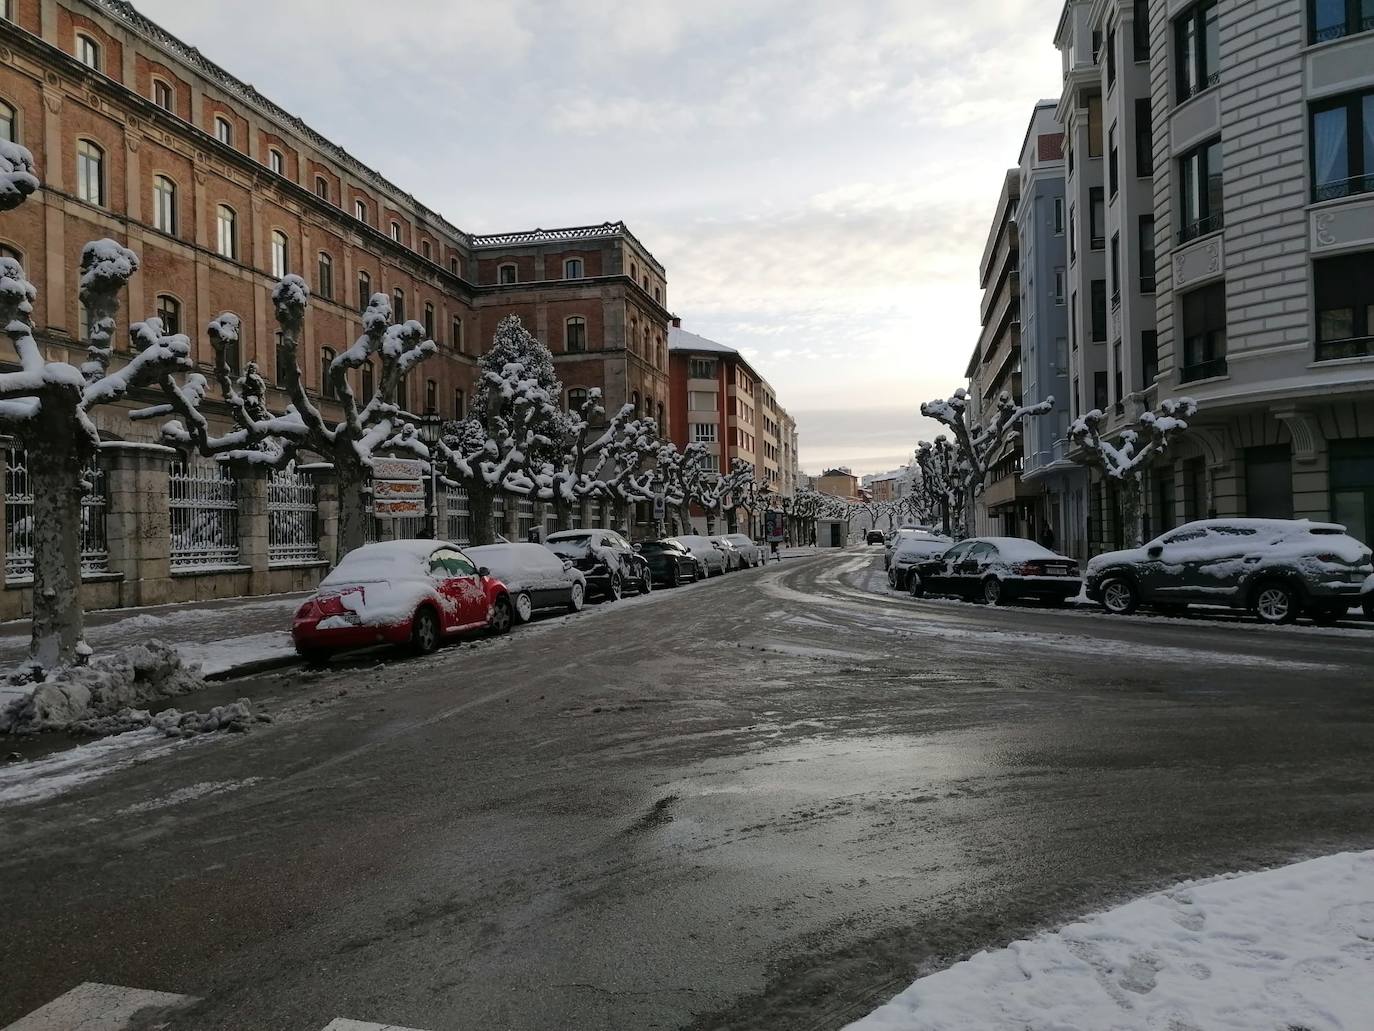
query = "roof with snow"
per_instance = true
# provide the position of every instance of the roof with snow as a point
(680, 340)
(400, 549)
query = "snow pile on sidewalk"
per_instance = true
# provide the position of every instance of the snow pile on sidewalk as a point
(122, 680)
(1281, 950)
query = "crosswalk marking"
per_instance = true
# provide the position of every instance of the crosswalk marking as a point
(105, 1007)
(110, 1007)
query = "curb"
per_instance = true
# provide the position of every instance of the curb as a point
(253, 668)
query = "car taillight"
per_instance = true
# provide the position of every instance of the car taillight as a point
(1029, 568)
(332, 604)
(1328, 558)
(307, 610)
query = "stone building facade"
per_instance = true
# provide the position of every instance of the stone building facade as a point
(139, 137)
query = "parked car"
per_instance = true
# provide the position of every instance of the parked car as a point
(413, 592)
(752, 552)
(534, 576)
(605, 558)
(1275, 568)
(912, 548)
(1367, 597)
(997, 570)
(903, 532)
(707, 553)
(875, 537)
(733, 559)
(669, 562)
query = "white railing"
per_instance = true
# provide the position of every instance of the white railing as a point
(457, 516)
(293, 518)
(95, 551)
(203, 497)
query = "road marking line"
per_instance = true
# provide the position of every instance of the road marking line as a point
(105, 1007)
(341, 1024)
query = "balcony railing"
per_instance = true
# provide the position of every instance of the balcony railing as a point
(1201, 227)
(1188, 90)
(1203, 370)
(1349, 28)
(1351, 187)
(1147, 284)
(1352, 347)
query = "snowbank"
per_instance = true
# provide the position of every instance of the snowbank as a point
(1287, 948)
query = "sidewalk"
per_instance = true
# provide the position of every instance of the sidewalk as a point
(226, 636)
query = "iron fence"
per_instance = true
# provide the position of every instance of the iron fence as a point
(293, 517)
(524, 518)
(457, 516)
(95, 550)
(203, 497)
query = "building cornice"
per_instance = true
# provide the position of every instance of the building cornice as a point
(572, 234)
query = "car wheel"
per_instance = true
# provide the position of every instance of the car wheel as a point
(577, 597)
(424, 631)
(1119, 596)
(646, 581)
(916, 588)
(1275, 604)
(675, 577)
(313, 656)
(892, 580)
(615, 590)
(500, 619)
(524, 607)
(992, 590)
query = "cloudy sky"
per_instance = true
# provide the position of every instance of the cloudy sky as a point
(818, 178)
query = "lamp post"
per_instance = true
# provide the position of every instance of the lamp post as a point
(429, 430)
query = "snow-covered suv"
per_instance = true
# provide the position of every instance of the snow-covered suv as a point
(1276, 568)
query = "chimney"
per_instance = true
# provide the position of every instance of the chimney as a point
(677, 322)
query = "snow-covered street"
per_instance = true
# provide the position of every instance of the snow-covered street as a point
(770, 800)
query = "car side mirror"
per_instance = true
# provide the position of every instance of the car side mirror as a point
(1155, 550)
(636, 547)
(483, 572)
(566, 565)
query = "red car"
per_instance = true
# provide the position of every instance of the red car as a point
(411, 592)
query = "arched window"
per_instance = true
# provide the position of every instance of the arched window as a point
(163, 96)
(90, 173)
(368, 388)
(577, 397)
(364, 290)
(169, 312)
(321, 187)
(507, 273)
(324, 282)
(458, 404)
(360, 210)
(326, 380)
(164, 205)
(431, 397)
(457, 330)
(396, 231)
(429, 321)
(231, 355)
(425, 250)
(275, 161)
(398, 305)
(633, 338)
(9, 252)
(281, 263)
(657, 298)
(646, 284)
(634, 400)
(572, 268)
(575, 335)
(9, 123)
(224, 130)
(634, 271)
(227, 240)
(453, 265)
(646, 352)
(87, 51)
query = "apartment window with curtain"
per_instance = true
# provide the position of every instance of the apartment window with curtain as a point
(360, 210)
(1333, 19)
(324, 280)
(164, 205)
(1343, 146)
(88, 52)
(326, 380)
(90, 173)
(364, 290)
(1140, 29)
(169, 313)
(575, 335)
(1097, 219)
(227, 233)
(1200, 191)
(275, 162)
(1344, 289)
(321, 187)
(704, 432)
(162, 95)
(1144, 139)
(1204, 333)
(1145, 241)
(1197, 49)
(1099, 312)
(281, 263)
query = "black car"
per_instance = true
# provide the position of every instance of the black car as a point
(669, 562)
(875, 537)
(606, 559)
(997, 570)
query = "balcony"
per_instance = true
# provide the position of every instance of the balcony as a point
(1186, 90)
(1351, 26)
(1203, 226)
(1203, 370)
(1352, 187)
(1352, 347)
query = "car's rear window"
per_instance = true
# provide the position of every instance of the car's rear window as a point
(572, 547)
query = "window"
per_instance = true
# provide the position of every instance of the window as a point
(577, 397)
(458, 404)
(1144, 138)
(572, 268)
(360, 210)
(575, 335)
(9, 123)
(164, 205)
(224, 132)
(634, 400)
(1140, 29)
(1099, 302)
(7, 10)
(431, 397)
(634, 271)
(1146, 242)
(425, 250)
(162, 95)
(364, 290)
(1149, 356)
(1073, 320)
(1059, 216)
(1073, 236)
(1204, 333)
(281, 264)
(456, 337)
(702, 368)
(227, 238)
(1197, 49)
(1111, 57)
(169, 313)
(1097, 219)
(705, 432)
(396, 231)
(276, 162)
(324, 281)
(701, 401)
(506, 274)
(1117, 372)
(1100, 399)
(1345, 306)
(1200, 207)
(1095, 127)
(1116, 269)
(398, 305)
(321, 187)
(9, 252)
(429, 321)
(1059, 281)
(1343, 146)
(369, 388)
(1113, 180)
(453, 266)
(88, 52)
(285, 360)
(1332, 19)
(90, 173)
(326, 380)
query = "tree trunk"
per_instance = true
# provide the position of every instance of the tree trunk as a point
(1131, 510)
(711, 522)
(480, 498)
(562, 513)
(353, 510)
(58, 621)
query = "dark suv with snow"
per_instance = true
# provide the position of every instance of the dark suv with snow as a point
(1275, 568)
(605, 558)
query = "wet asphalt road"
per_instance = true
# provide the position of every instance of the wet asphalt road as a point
(768, 801)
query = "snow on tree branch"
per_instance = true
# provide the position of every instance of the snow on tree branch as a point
(18, 178)
(1124, 458)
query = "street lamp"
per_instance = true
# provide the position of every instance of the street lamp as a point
(430, 430)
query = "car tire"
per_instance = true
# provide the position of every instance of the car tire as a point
(615, 590)
(675, 577)
(577, 597)
(915, 587)
(424, 631)
(993, 594)
(1120, 596)
(500, 620)
(646, 582)
(892, 580)
(313, 656)
(1368, 609)
(524, 607)
(1275, 603)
